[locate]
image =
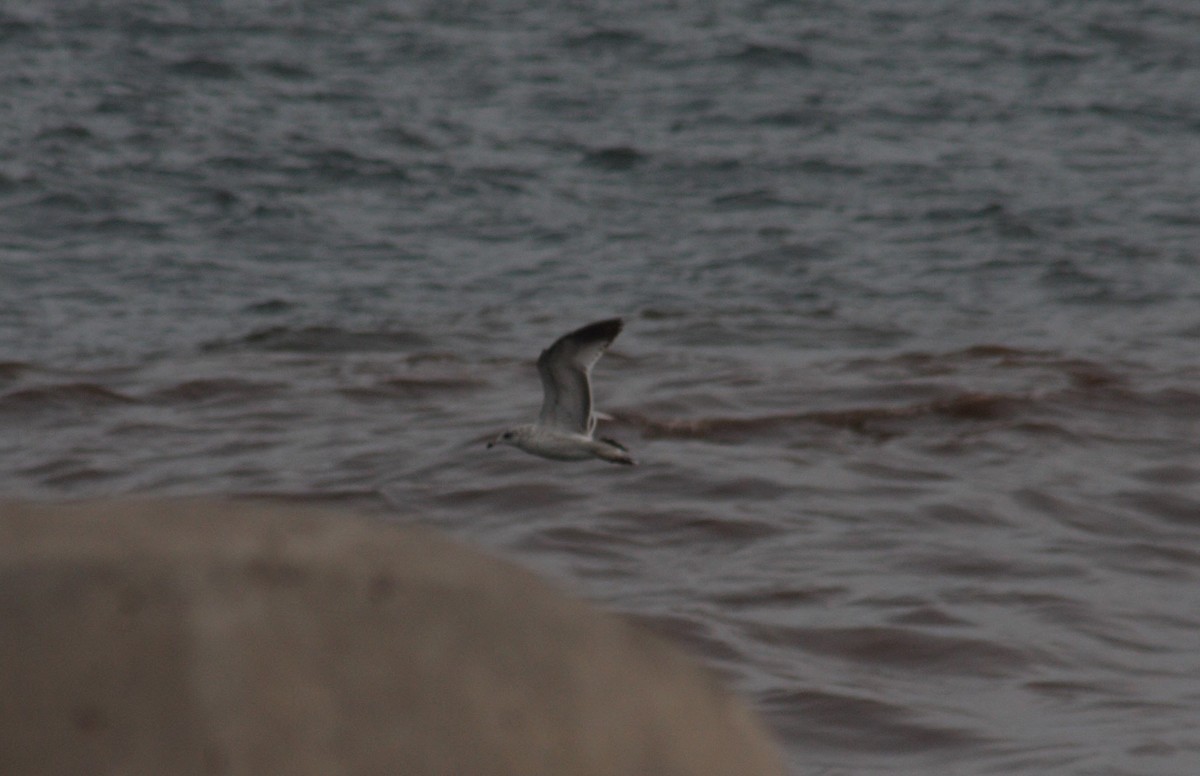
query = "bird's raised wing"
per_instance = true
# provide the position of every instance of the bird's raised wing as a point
(565, 368)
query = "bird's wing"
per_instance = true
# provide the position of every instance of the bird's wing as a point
(566, 368)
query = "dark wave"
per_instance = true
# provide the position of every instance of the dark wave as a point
(687, 527)
(1183, 403)
(67, 472)
(969, 406)
(608, 40)
(1171, 507)
(410, 387)
(525, 495)
(69, 132)
(780, 597)
(62, 395)
(11, 370)
(578, 541)
(770, 55)
(1003, 356)
(216, 388)
(204, 67)
(287, 70)
(1171, 474)
(903, 648)
(320, 339)
(615, 158)
(1069, 386)
(836, 721)
(271, 306)
(366, 499)
(692, 634)
(338, 164)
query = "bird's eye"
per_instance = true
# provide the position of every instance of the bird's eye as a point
(507, 435)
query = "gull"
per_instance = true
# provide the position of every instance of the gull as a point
(563, 430)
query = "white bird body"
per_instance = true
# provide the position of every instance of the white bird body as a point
(564, 427)
(559, 446)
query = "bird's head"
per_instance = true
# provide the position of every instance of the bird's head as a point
(511, 437)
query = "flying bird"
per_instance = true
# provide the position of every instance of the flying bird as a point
(564, 427)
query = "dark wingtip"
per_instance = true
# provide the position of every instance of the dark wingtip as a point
(615, 444)
(607, 329)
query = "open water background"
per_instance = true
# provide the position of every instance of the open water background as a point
(912, 356)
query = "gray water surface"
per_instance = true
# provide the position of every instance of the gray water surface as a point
(912, 345)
